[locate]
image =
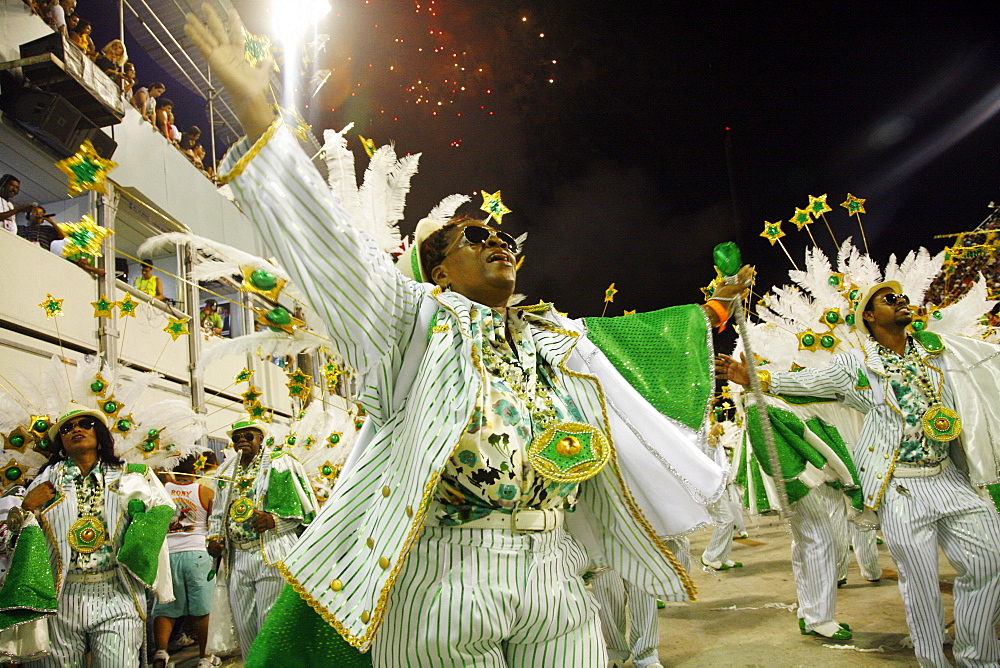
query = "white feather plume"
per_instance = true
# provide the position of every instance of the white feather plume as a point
(962, 318)
(264, 342)
(447, 207)
(341, 175)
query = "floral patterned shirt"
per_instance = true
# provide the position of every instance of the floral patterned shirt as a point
(915, 447)
(89, 489)
(489, 469)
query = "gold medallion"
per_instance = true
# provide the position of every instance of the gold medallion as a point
(941, 423)
(569, 452)
(87, 534)
(241, 510)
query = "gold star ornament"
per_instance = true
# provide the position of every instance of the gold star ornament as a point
(52, 306)
(801, 218)
(243, 376)
(854, 205)
(86, 170)
(772, 232)
(126, 307)
(103, 307)
(817, 206)
(493, 205)
(368, 144)
(83, 237)
(609, 294)
(176, 327)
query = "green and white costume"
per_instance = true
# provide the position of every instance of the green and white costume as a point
(420, 353)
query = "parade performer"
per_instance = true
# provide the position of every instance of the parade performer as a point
(724, 515)
(928, 420)
(482, 421)
(105, 523)
(263, 500)
(614, 594)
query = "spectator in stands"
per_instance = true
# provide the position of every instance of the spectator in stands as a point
(151, 285)
(10, 186)
(56, 16)
(80, 36)
(190, 140)
(128, 80)
(40, 228)
(164, 116)
(211, 321)
(112, 60)
(72, 21)
(144, 100)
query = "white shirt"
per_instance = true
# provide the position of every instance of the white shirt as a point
(8, 223)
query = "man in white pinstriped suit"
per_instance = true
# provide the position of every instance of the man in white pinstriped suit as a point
(919, 485)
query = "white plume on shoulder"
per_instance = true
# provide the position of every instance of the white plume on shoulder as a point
(915, 273)
(962, 318)
(447, 207)
(341, 175)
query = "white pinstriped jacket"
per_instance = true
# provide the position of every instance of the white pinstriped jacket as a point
(412, 345)
(858, 380)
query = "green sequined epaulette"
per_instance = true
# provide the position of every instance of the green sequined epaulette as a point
(277, 453)
(136, 468)
(931, 342)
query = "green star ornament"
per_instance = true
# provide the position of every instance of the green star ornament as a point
(854, 205)
(493, 205)
(817, 206)
(103, 307)
(801, 218)
(52, 306)
(772, 232)
(83, 237)
(126, 307)
(86, 170)
(176, 327)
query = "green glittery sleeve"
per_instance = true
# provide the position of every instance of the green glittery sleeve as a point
(29, 592)
(283, 498)
(666, 355)
(142, 541)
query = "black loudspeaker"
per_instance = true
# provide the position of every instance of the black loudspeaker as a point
(52, 43)
(58, 123)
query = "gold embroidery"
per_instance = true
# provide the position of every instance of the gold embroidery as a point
(258, 146)
(437, 329)
(885, 481)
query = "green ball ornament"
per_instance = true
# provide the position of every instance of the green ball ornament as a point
(44, 444)
(936, 315)
(97, 386)
(124, 425)
(726, 257)
(147, 446)
(808, 340)
(290, 440)
(269, 441)
(40, 426)
(279, 316)
(832, 317)
(335, 438)
(13, 473)
(327, 470)
(918, 325)
(17, 441)
(171, 447)
(833, 280)
(152, 434)
(849, 318)
(826, 341)
(109, 407)
(263, 280)
(853, 295)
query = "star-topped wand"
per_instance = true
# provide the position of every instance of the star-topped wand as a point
(856, 206)
(818, 208)
(728, 262)
(803, 219)
(609, 296)
(773, 233)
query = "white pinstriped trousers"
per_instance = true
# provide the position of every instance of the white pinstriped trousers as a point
(944, 510)
(253, 589)
(721, 543)
(865, 549)
(612, 593)
(816, 549)
(490, 598)
(100, 616)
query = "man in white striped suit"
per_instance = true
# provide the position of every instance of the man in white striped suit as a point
(445, 541)
(915, 466)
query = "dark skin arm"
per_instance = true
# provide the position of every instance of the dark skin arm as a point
(39, 497)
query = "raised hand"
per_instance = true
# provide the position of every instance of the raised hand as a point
(224, 49)
(727, 368)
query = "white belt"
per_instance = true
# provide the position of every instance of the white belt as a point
(909, 471)
(248, 545)
(91, 578)
(519, 521)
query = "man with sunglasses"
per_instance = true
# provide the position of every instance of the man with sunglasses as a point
(928, 439)
(263, 501)
(105, 523)
(505, 448)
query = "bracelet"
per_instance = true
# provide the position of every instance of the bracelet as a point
(258, 146)
(765, 379)
(720, 311)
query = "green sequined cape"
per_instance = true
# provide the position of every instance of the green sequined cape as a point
(324, 648)
(666, 355)
(143, 539)
(797, 457)
(29, 592)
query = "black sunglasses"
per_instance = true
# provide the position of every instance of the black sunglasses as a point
(85, 422)
(892, 299)
(243, 436)
(478, 234)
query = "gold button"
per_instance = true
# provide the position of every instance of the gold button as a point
(336, 585)
(383, 563)
(409, 511)
(370, 543)
(386, 491)
(871, 449)
(886, 456)
(862, 468)
(870, 496)
(365, 616)
(879, 476)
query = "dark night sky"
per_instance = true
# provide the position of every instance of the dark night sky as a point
(618, 169)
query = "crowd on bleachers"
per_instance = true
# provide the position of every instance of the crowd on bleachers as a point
(112, 59)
